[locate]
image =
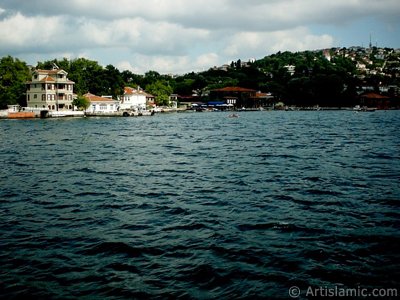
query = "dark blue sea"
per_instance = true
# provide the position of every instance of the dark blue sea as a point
(199, 205)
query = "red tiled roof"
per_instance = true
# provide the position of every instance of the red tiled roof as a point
(262, 95)
(233, 89)
(56, 71)
(132, 91)
(47, 78)
(373, 96)
(94, 98)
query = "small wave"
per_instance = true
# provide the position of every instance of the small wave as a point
(134, 227)
(111, 206)
(121, 267)
(283, 227)
(379, 155)
(323, 192)
(250, 256)
(192, 226)
(265, 226)
(205, 275)
(313, 178)
(84, 194)
(85, 170)
(120, 248)
(386, 202)
(284, 197)
(176, 211)
(5, 197)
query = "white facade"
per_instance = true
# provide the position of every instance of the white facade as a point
(50, 89)
(99, 105)
(134, 99)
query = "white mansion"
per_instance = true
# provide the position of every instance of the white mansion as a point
(50, 89)
(133, 99)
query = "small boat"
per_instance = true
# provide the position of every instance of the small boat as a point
(233, 116)
(363, 108)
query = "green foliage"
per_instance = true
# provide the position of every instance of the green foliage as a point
(13, 77)
(82, 103)
(89, 76)
(315, 80)
(161, 90)
(184, 86)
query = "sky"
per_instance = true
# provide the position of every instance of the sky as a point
(181, 36)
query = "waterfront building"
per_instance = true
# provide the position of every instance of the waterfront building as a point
(50, 90)
(232, 95)
(133, 99)
(101, 105)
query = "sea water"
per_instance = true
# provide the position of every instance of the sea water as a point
(199, 205)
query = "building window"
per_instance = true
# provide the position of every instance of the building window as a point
(28, 97)
(43, 97)
(34, 96)
(103, 107)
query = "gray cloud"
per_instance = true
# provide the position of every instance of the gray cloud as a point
(167, 32)
(255, 15)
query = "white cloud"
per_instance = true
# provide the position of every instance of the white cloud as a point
(21, 31)
(205, 61)
(261, 43)
(169, 64)
(299, 39)
(126, 65)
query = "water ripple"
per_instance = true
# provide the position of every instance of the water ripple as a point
(199, 206)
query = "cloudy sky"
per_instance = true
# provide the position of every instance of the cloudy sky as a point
(179, 36)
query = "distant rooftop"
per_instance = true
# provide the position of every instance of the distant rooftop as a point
(234, 89)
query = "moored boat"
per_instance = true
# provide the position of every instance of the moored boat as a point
(363, 108)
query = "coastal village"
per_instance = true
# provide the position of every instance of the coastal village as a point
(50, 93)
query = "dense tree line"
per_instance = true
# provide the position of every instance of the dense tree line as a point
(13, 76)
(315, 80)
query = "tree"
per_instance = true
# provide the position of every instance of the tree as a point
(151, 77)
(161, 91)
(82, 103)
(13, 77)
(184, 87)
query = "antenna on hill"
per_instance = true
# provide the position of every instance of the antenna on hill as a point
(370, 40)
